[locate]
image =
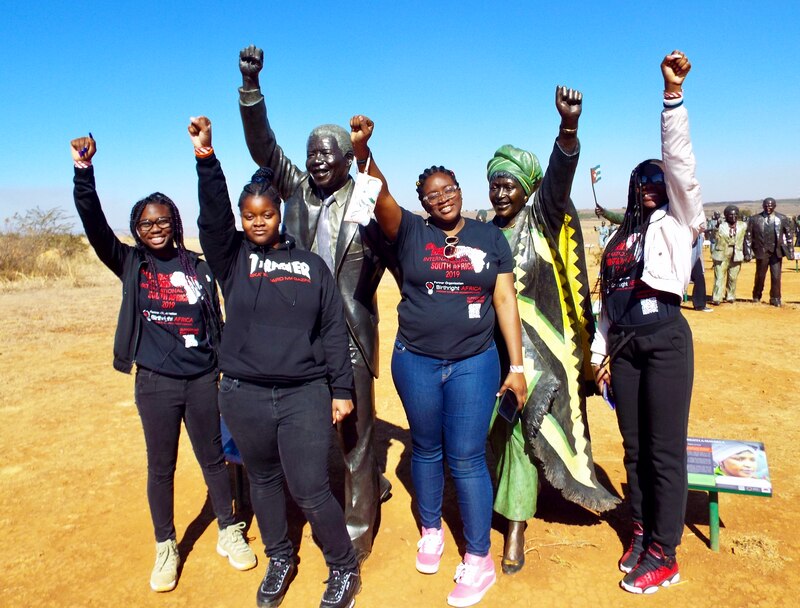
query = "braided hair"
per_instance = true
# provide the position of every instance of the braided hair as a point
(157, 198)
(261, 185)
(432, 171)
(634, 222)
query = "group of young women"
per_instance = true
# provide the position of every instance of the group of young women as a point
(286, 374)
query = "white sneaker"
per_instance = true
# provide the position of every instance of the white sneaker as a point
(231, 544)
(164, 576)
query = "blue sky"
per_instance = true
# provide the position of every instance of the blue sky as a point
(445, 82)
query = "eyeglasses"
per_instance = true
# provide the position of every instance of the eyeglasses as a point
(450, 243)
(147, 225)
(658, 178)
(434, 197)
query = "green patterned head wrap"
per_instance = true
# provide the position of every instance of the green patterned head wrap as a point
(523, 165)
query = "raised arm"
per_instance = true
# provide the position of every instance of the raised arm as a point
(219, 238)
(105, 243)
(387, 211)
(683, 189)
(258, 134)
(554, 193)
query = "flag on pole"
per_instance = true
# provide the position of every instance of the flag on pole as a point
(595, 174)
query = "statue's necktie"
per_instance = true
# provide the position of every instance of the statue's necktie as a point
(324, 232)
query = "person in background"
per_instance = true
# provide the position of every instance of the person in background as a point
(727, 256)
(457, 279)
(553, 299)
(698, 276)
(768, 240)
(642, 352)
(169, 326)
(286, 371)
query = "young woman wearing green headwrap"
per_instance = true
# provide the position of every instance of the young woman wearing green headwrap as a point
(553, 300)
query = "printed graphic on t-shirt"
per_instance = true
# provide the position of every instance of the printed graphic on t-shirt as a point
(622, 255)
(174, 290)
(464, 259)
(295, 270)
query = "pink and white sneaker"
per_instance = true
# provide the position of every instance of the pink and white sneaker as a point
(473, 578)
(430, 548)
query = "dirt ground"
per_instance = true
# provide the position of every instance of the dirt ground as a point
(78, 533)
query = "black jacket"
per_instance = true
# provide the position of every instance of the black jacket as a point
(285, 319)
(761, 236)
(126, 262)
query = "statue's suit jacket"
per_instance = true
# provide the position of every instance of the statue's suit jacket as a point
(724, 240)
(756, 228)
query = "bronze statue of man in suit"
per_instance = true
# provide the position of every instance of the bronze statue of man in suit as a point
(316, 203)
(769, 238)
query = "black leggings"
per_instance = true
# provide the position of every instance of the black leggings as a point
(164, 402)
(652, 377)
(284, 433)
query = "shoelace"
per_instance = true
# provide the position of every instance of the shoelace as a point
(466, 574)
(166, 556)
(336, 585)
(275, 572)
(429, 543)
(236, 536)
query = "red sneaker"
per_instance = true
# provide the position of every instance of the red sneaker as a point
(654, 570)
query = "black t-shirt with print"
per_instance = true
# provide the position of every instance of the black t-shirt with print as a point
(174, 338)
(634, 302)
(446, 307)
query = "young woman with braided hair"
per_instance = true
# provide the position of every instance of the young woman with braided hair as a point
(286, 371)
(642, 350)
(169, 326)
(457, 276)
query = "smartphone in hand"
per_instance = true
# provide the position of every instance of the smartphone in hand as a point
(508, 407)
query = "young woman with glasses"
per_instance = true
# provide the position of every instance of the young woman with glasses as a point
(169, 326)
(456, 278)
(643, 346)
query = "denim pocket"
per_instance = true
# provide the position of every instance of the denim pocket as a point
(399, 346)
(228, 384)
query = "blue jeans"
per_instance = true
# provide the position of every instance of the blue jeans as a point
(449, 404)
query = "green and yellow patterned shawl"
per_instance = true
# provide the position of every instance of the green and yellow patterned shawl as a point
(555, 309)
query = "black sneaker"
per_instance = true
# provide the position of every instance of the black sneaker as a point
(342, 588)
(273, 587)
(638, 546)
(654, 570)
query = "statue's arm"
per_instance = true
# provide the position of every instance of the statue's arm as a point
(258, 134)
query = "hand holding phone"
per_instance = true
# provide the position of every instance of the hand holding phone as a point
(508, 408)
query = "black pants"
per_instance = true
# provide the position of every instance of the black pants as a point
(773, 262)
(284, 433)
(163, 403)
(699, 290)
(652, 379)
(361, 482)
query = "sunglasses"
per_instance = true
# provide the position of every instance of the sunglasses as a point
(658, 178)
(450, 243)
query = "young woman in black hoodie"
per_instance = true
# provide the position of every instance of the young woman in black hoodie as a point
(286, 371)
(169, 325)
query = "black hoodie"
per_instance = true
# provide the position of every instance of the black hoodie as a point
(284, 316)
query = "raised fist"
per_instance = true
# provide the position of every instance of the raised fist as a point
(675, 68)
(361, 128)
(569, 103)
(83, 148)
(251, 60)
(200, 131)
